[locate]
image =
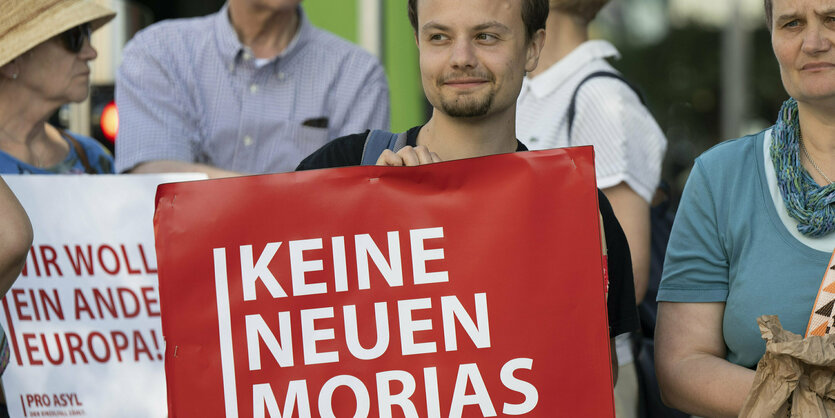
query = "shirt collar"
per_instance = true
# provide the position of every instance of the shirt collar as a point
(231, 48)
(552, 78)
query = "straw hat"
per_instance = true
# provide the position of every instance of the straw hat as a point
(27, 23)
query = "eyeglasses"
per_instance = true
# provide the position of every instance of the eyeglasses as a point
(74, 38)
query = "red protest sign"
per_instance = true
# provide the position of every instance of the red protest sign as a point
(465, 288)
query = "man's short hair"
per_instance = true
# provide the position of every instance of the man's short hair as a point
(534, 14)
(585, 10)
(768, 13)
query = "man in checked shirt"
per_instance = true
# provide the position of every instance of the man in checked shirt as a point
(251, 89)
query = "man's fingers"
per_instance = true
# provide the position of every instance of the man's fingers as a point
(408, 156)
(390, 159)
(424, 155)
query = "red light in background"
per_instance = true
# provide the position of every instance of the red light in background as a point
(110, 121)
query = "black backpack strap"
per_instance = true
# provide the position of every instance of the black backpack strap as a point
(378, 141)
(573, 105)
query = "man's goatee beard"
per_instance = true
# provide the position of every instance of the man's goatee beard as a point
(464, 108)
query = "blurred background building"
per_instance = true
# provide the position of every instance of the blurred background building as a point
(705, 67)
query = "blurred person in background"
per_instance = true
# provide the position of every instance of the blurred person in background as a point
(15, 240)
(45, 53)
(753, 233)
(253, 88)
(607, 113)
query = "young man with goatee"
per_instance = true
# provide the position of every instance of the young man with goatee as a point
(474, 55)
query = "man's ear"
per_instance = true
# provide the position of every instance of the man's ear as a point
(534, 48)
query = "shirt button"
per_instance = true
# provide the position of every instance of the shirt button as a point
(248, 140)
(282, 75)
(253, 88)
(247, 56)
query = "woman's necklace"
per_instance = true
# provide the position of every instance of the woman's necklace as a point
(809, 157)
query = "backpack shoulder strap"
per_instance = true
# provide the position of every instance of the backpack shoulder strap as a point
(79, 150)
(573, 104)
(379, 141)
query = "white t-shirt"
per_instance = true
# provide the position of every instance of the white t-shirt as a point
(628, 143)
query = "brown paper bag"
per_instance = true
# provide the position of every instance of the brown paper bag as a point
(795, 377)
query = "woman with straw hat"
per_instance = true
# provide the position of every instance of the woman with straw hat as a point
(44, 55)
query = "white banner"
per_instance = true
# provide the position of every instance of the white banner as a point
(83, 319)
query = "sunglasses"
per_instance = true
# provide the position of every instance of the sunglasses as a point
(74, 38)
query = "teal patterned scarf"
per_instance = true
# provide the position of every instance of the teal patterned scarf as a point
(808, 203)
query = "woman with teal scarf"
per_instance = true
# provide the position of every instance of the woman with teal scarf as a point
(753, 234)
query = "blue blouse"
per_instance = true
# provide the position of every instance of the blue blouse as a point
(729, 244)
(98, 156)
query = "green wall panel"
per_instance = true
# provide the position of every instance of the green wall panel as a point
(400, 57)
(337, 16)
(401, 61)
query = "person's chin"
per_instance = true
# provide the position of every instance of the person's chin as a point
(79, 97)
(824, 97)
(815, 96)
(466, 111)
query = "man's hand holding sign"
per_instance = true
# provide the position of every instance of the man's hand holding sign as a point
(420, 290)
(408, 157)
